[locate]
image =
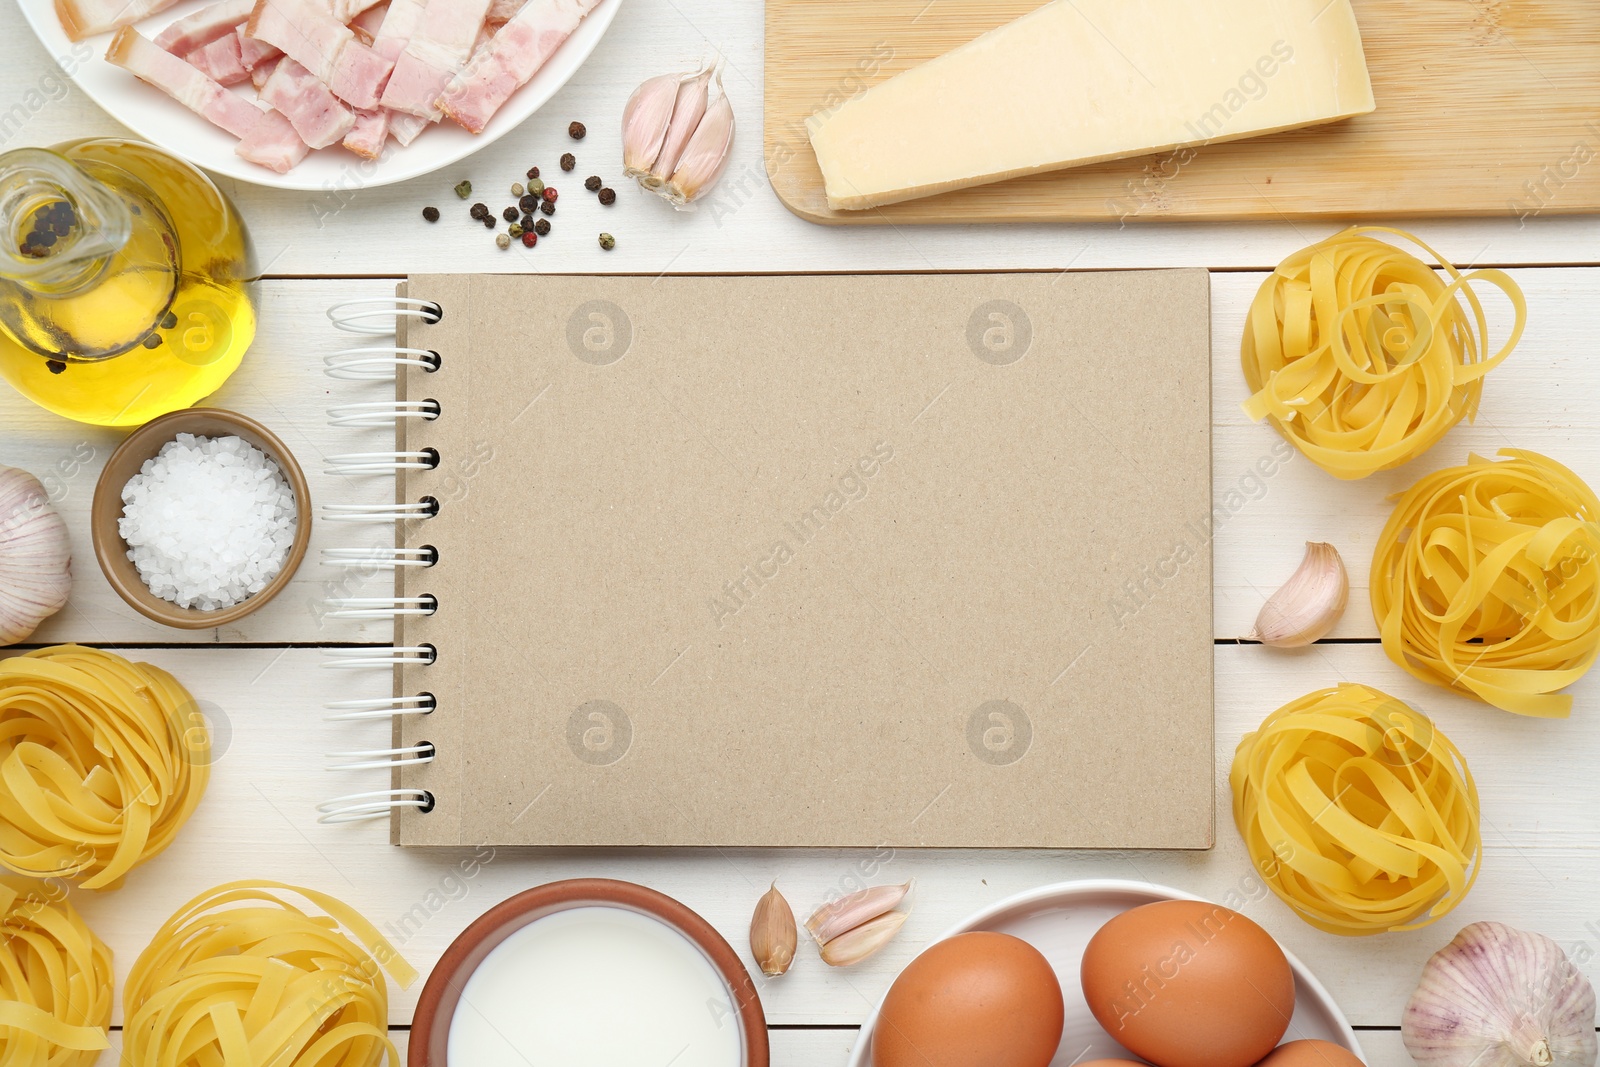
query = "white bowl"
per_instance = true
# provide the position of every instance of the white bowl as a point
(155, 117)
(1059, 920)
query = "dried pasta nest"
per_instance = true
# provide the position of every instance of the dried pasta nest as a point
(243, 975)
(1486, 580)
(1362, 357)
(102, 761)
(55, 980)
(1357, 812)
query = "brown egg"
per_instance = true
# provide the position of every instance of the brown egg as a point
(1184, 983)
(973, 1000)
(1311, 1053)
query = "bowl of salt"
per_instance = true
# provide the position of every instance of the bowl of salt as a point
(200, 518)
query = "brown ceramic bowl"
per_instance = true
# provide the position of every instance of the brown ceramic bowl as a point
(143, 444)
(430, 1028)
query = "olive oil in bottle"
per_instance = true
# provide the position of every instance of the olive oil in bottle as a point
(125, 279)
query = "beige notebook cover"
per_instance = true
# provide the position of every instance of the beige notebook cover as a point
(903, 560)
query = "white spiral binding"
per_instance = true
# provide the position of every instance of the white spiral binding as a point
(377, 364)
(425, 508)
(358, 657)
(356, 463)
(380, 558)
(380, 607)
(378, 315)
(371, 759)
(360, 807)
(382, 413)
(379, 708)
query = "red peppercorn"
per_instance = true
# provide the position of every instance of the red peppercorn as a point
(550, 194)
(529, 239)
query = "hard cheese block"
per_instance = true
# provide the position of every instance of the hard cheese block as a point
(1080, 81)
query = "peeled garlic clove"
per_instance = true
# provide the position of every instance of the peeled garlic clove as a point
(773, 936)
(706, 154)
(848, 912)
(1496, 996)
(687, 111)
(645, 120)
(35, 556)
(1309, 603)
(853, 946)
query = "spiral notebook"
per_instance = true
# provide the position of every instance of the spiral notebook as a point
(890, 560)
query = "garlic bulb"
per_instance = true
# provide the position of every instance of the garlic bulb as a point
(1308, 604)
(677, 130)
(1499, 997)
(35, 556)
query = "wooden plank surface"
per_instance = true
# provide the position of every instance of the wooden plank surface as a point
(356, 229)
(1474, 101)
(1540, 398)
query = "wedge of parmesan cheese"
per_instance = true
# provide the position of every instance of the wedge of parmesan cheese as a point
(1081, 81)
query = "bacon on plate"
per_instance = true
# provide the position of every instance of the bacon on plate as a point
(510, 59)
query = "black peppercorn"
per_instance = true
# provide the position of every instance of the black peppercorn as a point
(55, 366)
(510, 214)
(608, 196)
(548, 207)
(479, 210)
(528, 203)
(431, 214)
(568, 161)
(153, 341)
(488, 222)
(169, 321)
(592, 183)
(541, 227)
(576, 131)
(533, 172)
(527, 221)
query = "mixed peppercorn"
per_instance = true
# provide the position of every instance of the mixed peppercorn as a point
(51, 223)
(534, 197)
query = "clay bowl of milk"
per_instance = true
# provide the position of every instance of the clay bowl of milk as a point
(589, 971)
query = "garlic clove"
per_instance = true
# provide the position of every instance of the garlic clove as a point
(773, 936)
(855, 945)
(1308, 604)
(706, 154)
(689, 108)
(850, 911)
(645, 120)
(1496, 996)
(35, 556)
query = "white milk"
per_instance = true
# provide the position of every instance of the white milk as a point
(597, 987)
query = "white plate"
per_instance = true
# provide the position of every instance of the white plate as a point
(1059, 920)
(157, 118)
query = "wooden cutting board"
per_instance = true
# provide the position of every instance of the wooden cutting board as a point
(1485, 107)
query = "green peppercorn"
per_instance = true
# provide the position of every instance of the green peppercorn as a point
(536, 187)
(502, 241)
(463, 189)
(514, 230)
(607, 242)
(542, 227)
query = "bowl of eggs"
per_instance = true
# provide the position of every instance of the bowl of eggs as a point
(1106, 974)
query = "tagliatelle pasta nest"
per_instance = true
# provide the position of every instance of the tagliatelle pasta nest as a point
(1357, 812)
(55, 980)
(1363, 357)
(1486, 580)
(102, 761)
(243, 977)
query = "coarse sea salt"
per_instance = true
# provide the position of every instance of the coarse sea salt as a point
(208, 522)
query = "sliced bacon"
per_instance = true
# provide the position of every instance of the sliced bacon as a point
(263, 70)
(510, 59)
(186, 84)
(220, 60)
(326, 47)
(85, 18)
(407, 128)
(314, 112)
(371, 131)
(210, 23)
(441, 42)
(273, 144)
(502, 11)
(367, 24)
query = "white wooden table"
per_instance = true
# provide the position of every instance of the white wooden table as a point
(1539, 791)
